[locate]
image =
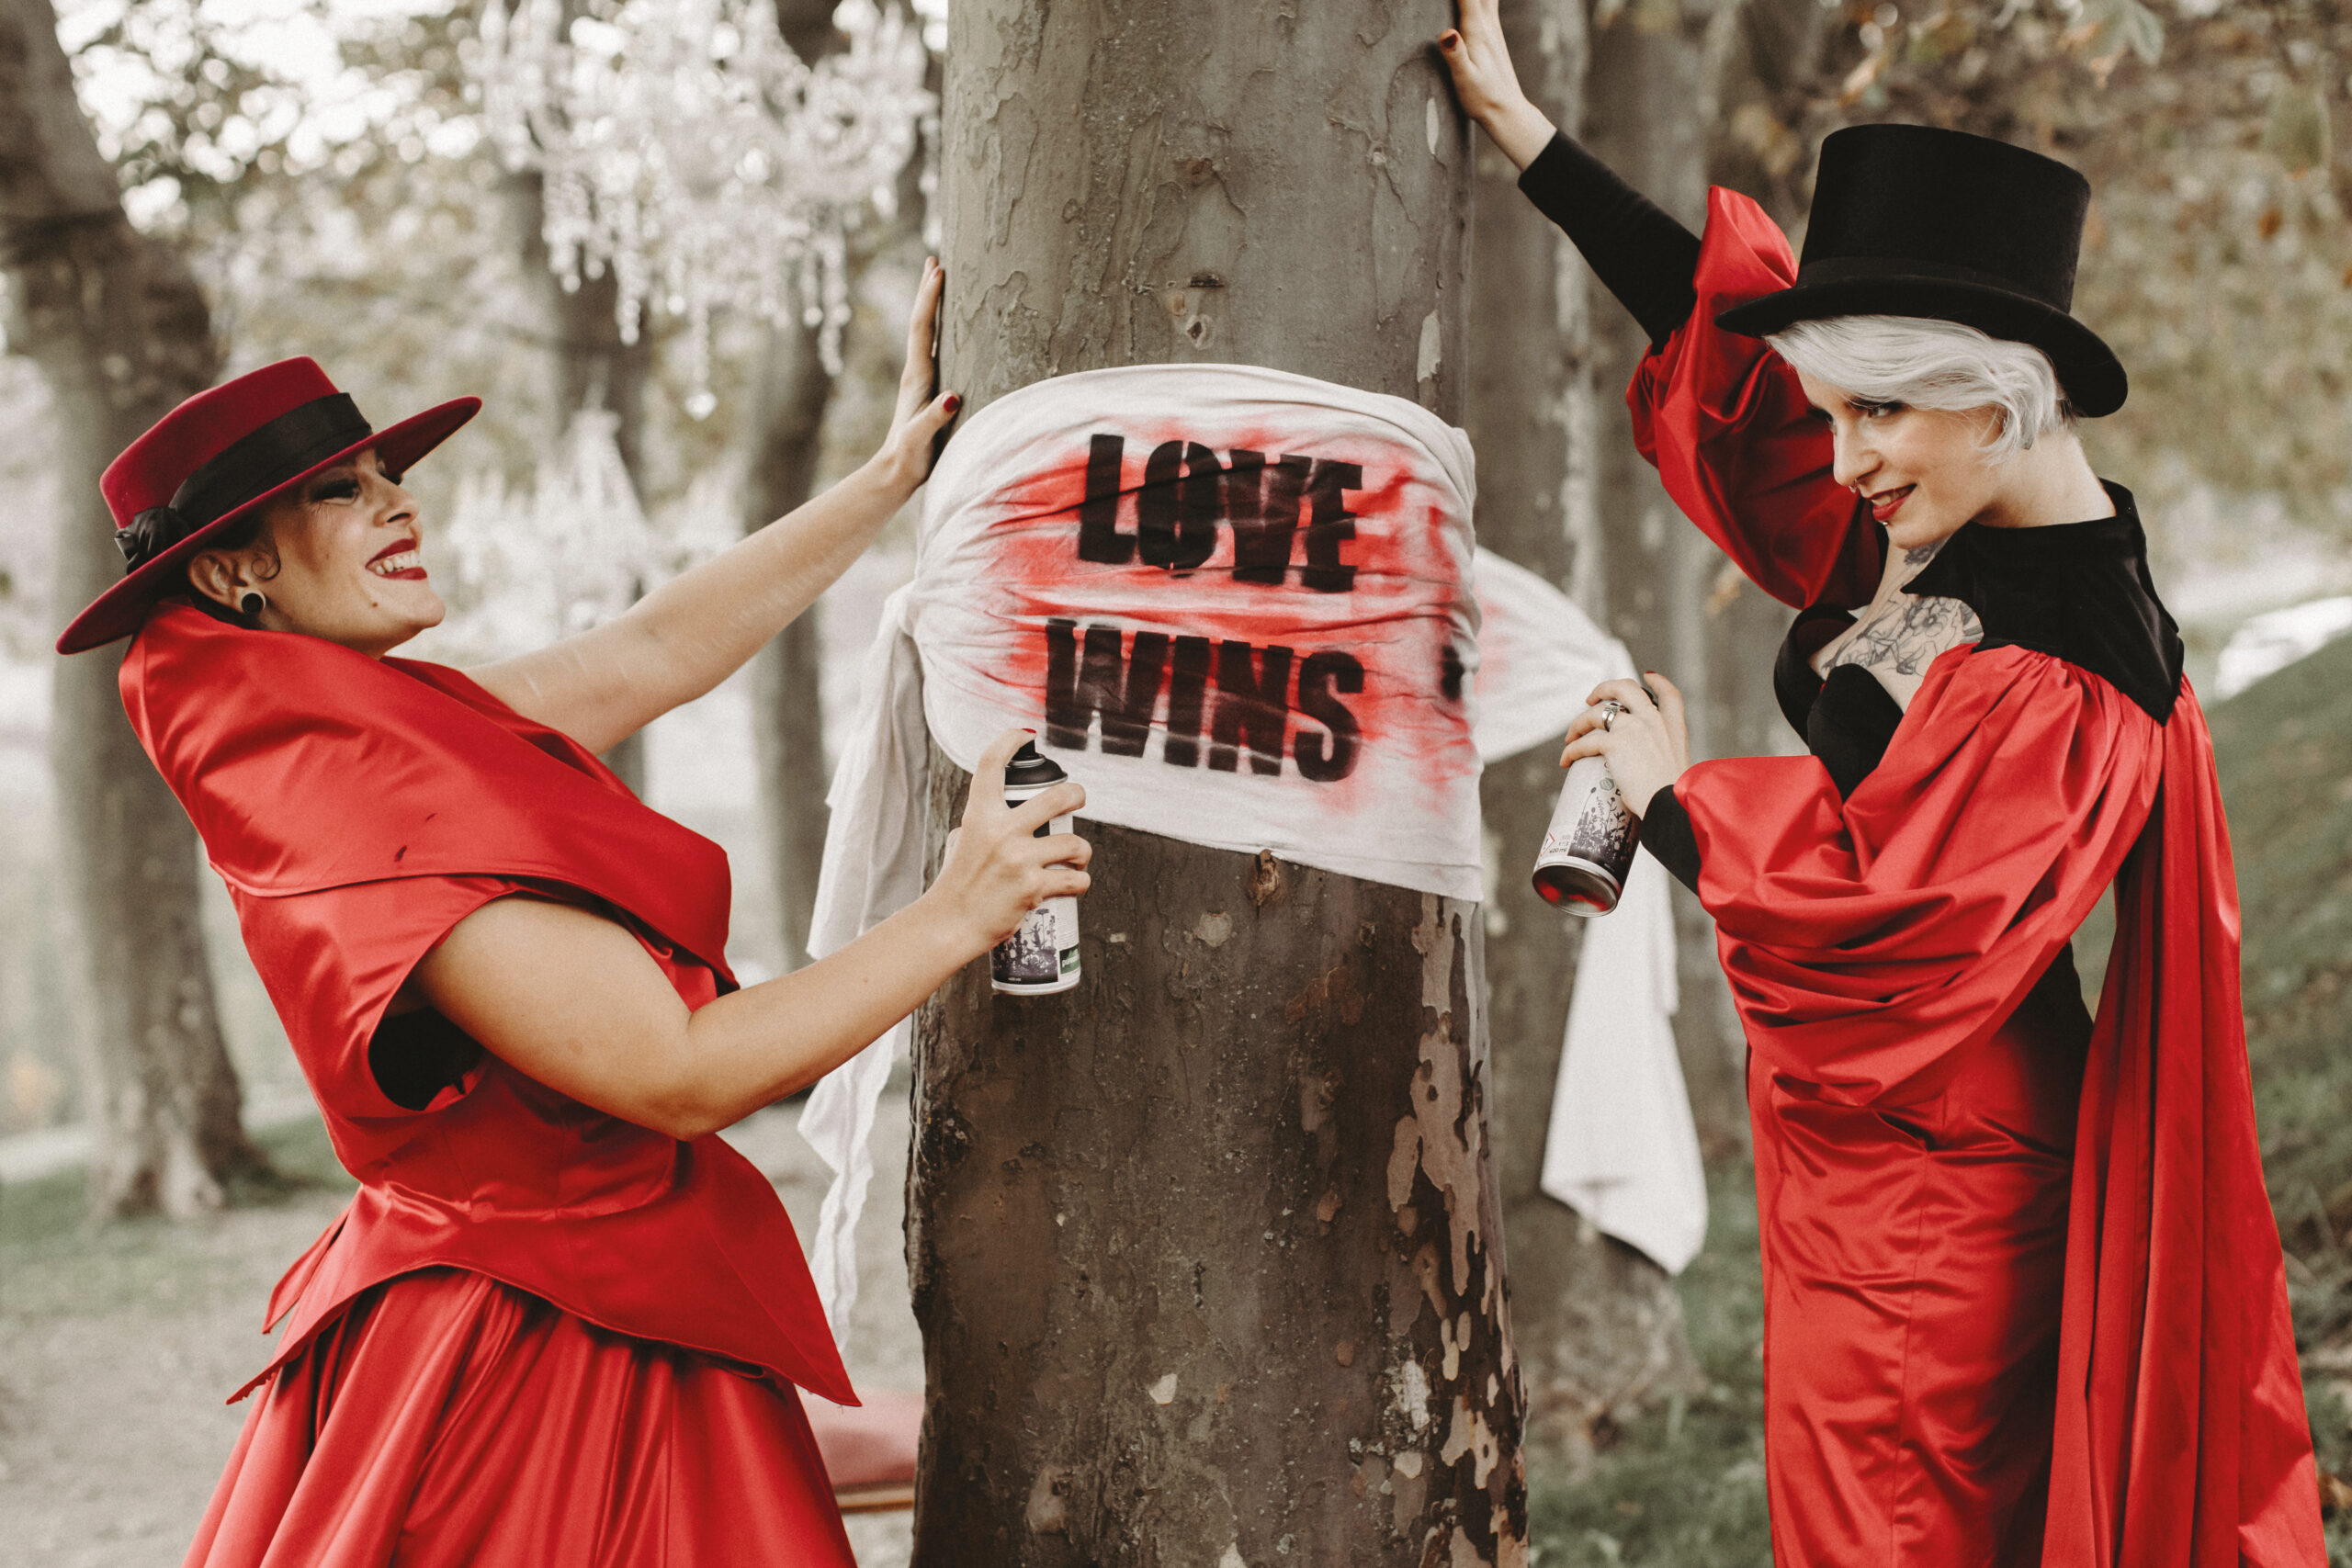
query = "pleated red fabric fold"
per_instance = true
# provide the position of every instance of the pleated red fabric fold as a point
(448, 1421)
(1882, 951)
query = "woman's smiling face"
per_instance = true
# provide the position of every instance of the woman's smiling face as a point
(1923, 472)
(338, 557)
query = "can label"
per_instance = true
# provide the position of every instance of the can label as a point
(1589, 847)
(1041, 956)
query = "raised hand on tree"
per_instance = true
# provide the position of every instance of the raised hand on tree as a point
(1488, 87)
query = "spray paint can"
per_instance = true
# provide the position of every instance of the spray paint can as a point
(1042, 956)
(1589, 847)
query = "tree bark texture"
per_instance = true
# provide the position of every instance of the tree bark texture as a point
(121, 332)
(1207, 1252)
(1599, 1326)
(1647, 113)
(787, 708)
(590, 366)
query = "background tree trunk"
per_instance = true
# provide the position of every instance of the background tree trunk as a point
(787, 423)
(1648, 111)
(787, 707)
(590, 368)
(1599, 1326)
(1176, 1237)
(119, 328)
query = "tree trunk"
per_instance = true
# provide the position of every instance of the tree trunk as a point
(121, 332)
(1599, 1326)
(787, 709)
(591, 368)
(787, 422)
(1206, 1253)
(1647, 115)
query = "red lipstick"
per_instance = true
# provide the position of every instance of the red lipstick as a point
(406, 574)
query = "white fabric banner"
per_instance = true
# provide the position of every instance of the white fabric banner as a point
(1235, 603)
(1238, 604)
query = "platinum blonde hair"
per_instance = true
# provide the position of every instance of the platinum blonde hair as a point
(1931, 364)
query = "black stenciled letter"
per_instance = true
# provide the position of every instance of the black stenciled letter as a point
(1187, 684)
(1177, 509)
(1319, 761)
(1251, 707)
(1122, 689)
(1098, 538)
(1263, 504)
(1327, 524)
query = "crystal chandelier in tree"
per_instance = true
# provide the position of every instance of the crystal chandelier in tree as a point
(685, 146)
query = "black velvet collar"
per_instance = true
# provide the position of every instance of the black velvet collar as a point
(2078, 590)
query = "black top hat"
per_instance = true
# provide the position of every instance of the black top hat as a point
(1910, 221)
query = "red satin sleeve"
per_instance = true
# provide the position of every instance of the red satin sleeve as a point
(1736, 445)
(1867, 940)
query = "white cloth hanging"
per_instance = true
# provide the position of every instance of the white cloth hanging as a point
(1238, 605)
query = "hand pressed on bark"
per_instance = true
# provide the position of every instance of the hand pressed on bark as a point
(1488, 86)
(570, 999)
(1647, 744)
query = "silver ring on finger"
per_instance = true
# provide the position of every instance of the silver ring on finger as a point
(1609, 711)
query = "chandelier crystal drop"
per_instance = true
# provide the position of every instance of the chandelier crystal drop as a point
(685, 147)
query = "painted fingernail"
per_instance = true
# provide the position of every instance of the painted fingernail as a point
(954, 401)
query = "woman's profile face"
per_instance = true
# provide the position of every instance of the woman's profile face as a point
(1923, 472)
(338, 559)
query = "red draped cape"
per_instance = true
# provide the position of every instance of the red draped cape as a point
(358, 809)
(1872, 943)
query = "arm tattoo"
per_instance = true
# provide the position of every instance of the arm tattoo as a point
(1906, 635)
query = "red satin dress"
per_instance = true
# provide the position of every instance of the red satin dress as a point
(2024, 1296)
(539, 1334)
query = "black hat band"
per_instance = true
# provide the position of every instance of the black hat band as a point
(254, 464)
(1846, 269)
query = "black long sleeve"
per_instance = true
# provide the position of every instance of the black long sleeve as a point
(1668, 835)
(1634, 246)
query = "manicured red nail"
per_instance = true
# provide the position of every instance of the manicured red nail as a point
(954, 401)
(1447, 40)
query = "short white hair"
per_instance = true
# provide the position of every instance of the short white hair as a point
(1929, 364)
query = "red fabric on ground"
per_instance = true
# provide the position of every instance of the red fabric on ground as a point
(448, 1421)
(1982, 1282)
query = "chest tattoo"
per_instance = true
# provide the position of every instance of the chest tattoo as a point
(1906, 637)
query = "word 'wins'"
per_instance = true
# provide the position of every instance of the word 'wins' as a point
(1119, 680)
(1187, 492)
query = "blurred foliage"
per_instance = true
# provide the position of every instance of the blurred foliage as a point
(2217, 260)
(1681, 1486)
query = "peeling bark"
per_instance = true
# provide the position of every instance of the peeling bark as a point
(1599, 1325)
(121, 334)
(1207, 1252)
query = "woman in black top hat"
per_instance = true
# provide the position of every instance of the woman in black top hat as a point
(2024, 1298)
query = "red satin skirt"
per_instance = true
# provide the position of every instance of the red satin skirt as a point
(1914, 1259)
(449, 1420)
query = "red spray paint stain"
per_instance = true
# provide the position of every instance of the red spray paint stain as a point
(1274, 602)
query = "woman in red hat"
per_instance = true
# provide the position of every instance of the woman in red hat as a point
(2024, 1297)
(562, 1322)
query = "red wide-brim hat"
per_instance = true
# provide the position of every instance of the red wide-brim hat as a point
(218, 456)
